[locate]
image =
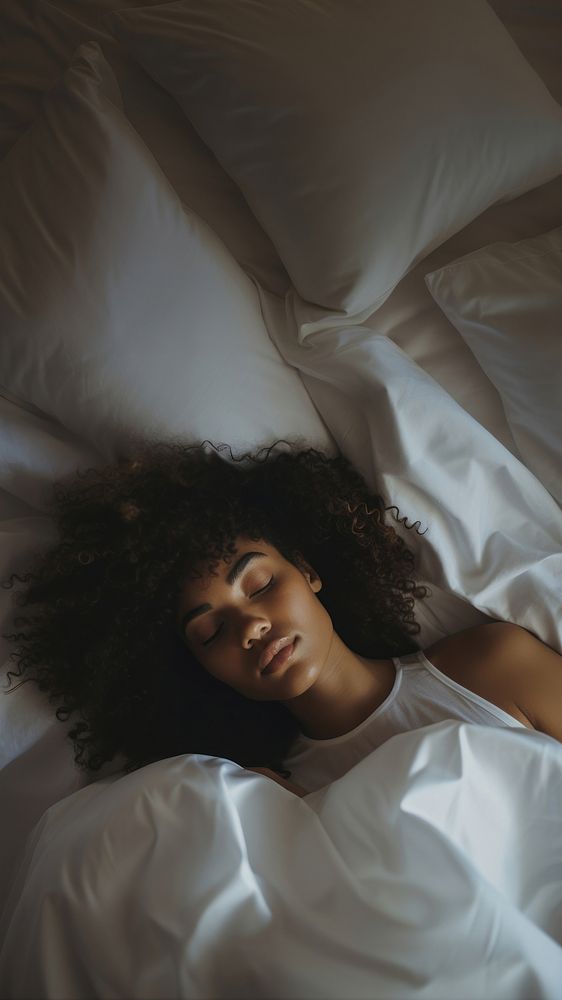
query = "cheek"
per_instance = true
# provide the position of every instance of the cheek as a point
(226, 665)
(220, 665)
(304, 608)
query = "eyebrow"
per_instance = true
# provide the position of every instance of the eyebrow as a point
(235, 572)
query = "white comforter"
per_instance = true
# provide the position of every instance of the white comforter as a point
(432, 869)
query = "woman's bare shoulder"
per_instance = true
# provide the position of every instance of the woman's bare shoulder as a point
(510, 667)
(489, 640)
(492, 660)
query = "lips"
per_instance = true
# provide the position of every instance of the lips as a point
(272, 649)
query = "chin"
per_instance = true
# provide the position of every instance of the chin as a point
(296, 682)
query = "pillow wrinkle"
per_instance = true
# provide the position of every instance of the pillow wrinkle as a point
(400, 124)
(122, 315)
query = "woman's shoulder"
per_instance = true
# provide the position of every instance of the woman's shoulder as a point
(492, 660)
(509, 666)
(488, 641)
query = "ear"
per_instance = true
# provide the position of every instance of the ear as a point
(310, 573)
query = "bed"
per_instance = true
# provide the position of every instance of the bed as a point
(338, 223)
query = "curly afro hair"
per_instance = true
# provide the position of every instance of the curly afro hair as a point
(98, 633)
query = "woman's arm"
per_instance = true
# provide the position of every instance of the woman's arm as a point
(509, 667)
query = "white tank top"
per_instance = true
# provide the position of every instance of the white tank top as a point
(420, 696)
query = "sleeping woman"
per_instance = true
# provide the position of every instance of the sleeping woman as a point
(260, 609)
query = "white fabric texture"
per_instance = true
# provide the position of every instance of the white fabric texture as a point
(41, 39)
(421, 695)
(359, 93)
(36, 759)
(122, 314)
(506, 302)
(385, 884)
(493, 533)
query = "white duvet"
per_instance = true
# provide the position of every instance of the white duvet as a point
(432, 869)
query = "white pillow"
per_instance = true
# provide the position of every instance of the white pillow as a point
(121, 314)
(45, 46)
(506, 302)
(362, 134)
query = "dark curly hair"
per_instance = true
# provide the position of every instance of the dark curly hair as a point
(99, 633)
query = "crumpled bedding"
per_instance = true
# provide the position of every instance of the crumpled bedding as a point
(431, 869)
(492, 531)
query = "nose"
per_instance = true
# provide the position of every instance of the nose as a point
(253, 631)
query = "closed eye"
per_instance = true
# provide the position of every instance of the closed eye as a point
(213, 637)
(263, 589)
(255, 594)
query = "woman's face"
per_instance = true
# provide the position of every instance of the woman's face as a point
(258, 603)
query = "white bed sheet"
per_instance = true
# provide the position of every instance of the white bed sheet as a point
(493, 531)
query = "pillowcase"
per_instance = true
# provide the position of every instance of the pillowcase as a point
(362, 134)
(506, 302)
(122, 314)
(44, 44)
